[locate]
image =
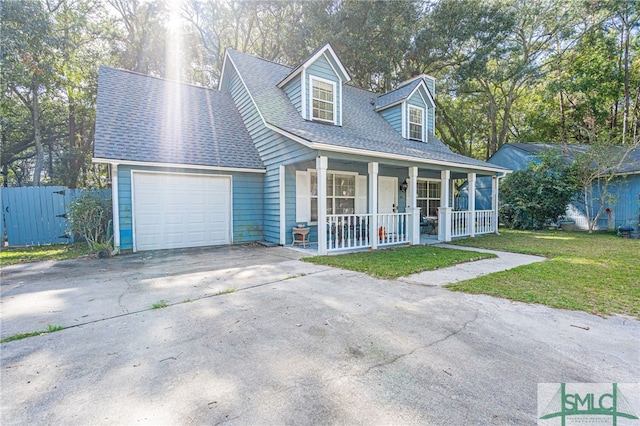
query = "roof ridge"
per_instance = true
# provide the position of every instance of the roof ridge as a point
(258, 57)
(160, 78)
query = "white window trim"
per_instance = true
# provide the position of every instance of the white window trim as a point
(313, 78)
(427, 181)
(409, 121)
(333, 172)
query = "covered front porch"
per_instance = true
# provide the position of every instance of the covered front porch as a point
(357, 205)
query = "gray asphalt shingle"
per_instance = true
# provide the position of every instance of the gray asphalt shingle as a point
(569, 152)
(396, 95)
(362, 128)
(149, 119)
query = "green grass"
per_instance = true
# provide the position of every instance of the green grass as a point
(597, 273)
(226, 291)
(399, 262)
(20, 336)
(15, 255)
(160, 304)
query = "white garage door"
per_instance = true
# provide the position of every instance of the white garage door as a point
(180, 210)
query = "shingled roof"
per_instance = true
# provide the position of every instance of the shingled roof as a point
(398, 94)
(148, 119)
(362, 128)
(631, 163)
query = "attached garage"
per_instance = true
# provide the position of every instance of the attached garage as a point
(176, 210)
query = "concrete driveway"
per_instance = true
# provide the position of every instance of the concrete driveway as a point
(295, 343)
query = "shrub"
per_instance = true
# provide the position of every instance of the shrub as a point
(90, 215)
(538, 194)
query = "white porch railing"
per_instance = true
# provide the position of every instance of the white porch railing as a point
(460, 223)
(348, 231)
(393, 228)
(485, 222)
(353, 231)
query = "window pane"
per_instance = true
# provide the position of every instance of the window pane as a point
(314, 184)
(434, 189)
(345, 205)
(415, 132)
(433, 207)
(345, 185)
(322, 90)
(322, 110)
(415, 123)
(422, 189)
(424, 207)
(314, 210)
(415, 116)
(329, 184)
(322, 100)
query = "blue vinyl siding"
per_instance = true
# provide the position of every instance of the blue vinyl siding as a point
(246, 203)
(274, 149)
(431, 115)
(321, 68)
(431, 120)
(247, 207)
(293, 89)
(124, 208)
(393, 116)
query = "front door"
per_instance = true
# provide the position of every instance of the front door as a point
(387, 194)
(387, 203)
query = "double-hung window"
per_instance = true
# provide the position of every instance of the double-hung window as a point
(323, 100)
(341, 194)
(428, 197)
(416, 120)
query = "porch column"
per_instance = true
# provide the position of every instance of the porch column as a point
(283, 216)
(444, 212)
(115, 207)
(494, 201)
(471, 225)
(414, 220)
(321, 167)
(373, 204)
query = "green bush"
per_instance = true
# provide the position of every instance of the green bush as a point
(538, 194)
(90, 215)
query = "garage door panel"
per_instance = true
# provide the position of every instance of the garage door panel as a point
(173, 210)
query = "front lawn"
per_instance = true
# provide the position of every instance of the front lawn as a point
(14, 255)
(597, 273)
(399, 262)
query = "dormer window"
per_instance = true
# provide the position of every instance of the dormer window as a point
(416, 126)
(323, 105)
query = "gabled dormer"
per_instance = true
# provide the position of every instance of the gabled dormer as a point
(315, 86)
(410, 108)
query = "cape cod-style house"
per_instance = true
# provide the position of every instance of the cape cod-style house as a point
(275, 148)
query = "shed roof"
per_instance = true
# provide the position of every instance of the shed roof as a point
(631, 163)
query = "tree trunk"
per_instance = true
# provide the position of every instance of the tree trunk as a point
(563, 122)
(35, 115)
(625, 115)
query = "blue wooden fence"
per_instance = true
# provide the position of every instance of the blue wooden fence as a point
(37, 215)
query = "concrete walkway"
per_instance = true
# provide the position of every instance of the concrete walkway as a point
(469, 270)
